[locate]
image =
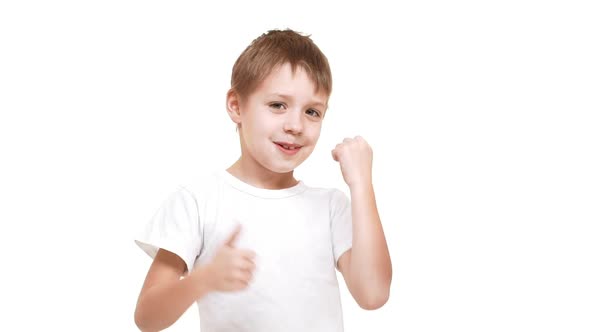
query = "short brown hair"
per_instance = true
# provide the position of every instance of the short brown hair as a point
(275, 48)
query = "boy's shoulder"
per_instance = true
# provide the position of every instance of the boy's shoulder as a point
(327, 191)
(333, 197)
(203, 184)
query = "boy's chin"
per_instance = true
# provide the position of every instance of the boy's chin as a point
(283, 168)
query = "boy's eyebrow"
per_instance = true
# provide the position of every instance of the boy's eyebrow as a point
(283, 96)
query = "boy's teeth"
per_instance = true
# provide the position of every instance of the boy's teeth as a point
(286, 147)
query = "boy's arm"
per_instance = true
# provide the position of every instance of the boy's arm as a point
(164, 296)
(366, 267)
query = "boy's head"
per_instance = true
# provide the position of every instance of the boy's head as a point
(275, 48)
(279, 93)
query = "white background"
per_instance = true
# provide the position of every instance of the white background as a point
(477, 115)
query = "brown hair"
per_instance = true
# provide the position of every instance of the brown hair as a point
(275, 48)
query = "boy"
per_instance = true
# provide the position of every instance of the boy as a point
(254, 247)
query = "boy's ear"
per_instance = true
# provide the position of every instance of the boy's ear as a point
(233, 106)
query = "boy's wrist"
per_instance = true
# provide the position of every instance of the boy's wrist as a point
(362, 186)
(201, 280)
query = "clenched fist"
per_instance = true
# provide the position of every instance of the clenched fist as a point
(356, 160)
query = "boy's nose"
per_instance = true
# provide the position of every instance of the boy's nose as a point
(293, 123)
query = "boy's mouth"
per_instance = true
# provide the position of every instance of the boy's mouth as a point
(289, 148)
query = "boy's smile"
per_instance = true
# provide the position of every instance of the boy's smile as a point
(280, 123)
(287, 148)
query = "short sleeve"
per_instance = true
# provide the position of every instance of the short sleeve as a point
(340, 223)
(175, 227)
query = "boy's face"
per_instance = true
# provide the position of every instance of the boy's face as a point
(284, 109)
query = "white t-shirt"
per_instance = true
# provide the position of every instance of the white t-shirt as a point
(297, 233)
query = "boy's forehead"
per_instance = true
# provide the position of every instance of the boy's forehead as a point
(282, 82)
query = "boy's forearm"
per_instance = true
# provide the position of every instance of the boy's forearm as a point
(162, 305)
(369, 257)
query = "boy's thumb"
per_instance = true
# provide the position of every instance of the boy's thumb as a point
(234, 235)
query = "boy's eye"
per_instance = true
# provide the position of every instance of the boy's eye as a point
(314, 112)
(277, 105)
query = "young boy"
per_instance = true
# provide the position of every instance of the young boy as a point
(254, 247)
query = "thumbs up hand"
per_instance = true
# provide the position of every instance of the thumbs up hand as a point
(231, 269)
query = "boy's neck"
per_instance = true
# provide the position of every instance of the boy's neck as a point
(260, 177)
